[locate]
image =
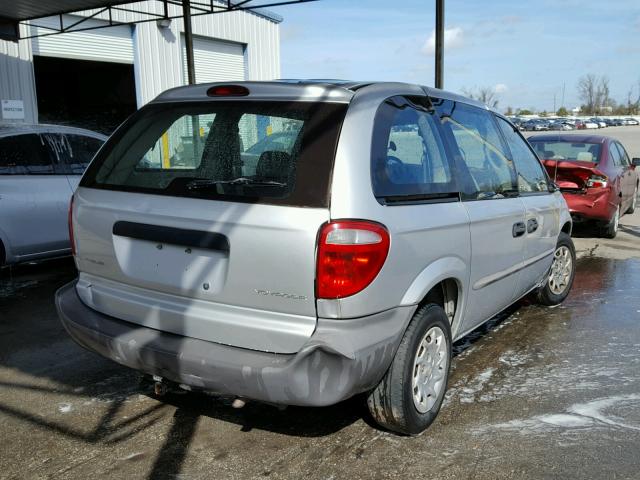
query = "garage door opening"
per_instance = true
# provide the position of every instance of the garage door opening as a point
(82, 93)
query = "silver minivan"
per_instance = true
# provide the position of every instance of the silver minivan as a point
(301, 242)
(40, 167)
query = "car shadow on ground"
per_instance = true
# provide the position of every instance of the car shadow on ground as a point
(32, 323)
(586, 230)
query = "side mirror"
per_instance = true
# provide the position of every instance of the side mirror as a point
(553, 187)
(392, 146)
(635, 162)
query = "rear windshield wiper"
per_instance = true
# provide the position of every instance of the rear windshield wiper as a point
(200, 184)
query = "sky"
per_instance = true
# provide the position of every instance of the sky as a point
(525, 50)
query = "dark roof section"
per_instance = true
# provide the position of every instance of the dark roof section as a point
(13, 12)
(20, 10)
(290, 88)
(347, 84)
(356, 85)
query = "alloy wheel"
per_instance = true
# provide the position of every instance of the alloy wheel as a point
(429, 369)
(561, 270)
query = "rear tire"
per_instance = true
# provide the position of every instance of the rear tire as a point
(560, 278)
(408, 398)
(611, 229)
(634, 201)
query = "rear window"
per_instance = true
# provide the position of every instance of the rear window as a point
(247, 151)
(576, 151)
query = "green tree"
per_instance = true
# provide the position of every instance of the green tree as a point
(562, 112)
(525, 111)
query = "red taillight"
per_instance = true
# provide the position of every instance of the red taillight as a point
(70, 223)
(350, 255)
(228, 91)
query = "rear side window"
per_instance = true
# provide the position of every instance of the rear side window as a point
(624, 157)
(69, 153)
(81, 151)
(408, 156)
(615, 155)
(24, 155)
(271, 152)
(480, 151)
(531, 176)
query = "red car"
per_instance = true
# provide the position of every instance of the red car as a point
(595, 174)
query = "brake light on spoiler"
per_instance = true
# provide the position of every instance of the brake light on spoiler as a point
(228, 91)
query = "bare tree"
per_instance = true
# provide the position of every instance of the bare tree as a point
(587, 91)
(633, 103)
(603, 94)
(594, 92)
(486, 95)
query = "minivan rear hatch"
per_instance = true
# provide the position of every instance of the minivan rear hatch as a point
(200, 219)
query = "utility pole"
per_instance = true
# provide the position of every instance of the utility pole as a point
(191, 73)
(439, 44)
(562, 103)
(188, 40)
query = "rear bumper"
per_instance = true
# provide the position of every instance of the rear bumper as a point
(597, 205)
(342, 357)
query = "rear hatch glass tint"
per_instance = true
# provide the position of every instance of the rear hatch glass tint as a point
(245, 151)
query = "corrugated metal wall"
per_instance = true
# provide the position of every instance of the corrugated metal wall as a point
(260, 35)
(158, 57)
(16, 77)
(111, 44)
(215, 60)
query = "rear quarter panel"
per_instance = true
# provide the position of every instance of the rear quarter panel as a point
(429, 242)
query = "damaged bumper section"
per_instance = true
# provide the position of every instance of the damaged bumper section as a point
(590, 205)
(342, 357)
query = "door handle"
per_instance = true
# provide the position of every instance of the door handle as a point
(532, 225)
(519, 229)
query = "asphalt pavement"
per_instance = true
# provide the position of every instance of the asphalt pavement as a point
(536, 393)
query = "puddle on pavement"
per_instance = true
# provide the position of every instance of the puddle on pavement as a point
(23, 281)
(578, 351)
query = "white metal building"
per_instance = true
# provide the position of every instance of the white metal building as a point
(60, 74)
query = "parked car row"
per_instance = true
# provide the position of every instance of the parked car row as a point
(613, 122)
(550, 124)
